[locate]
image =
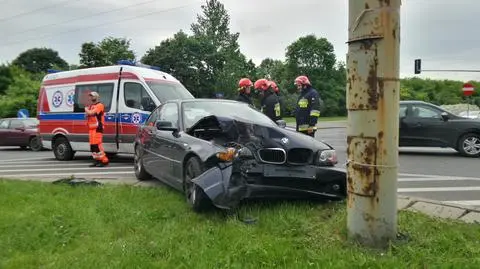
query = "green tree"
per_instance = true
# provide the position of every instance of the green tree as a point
(5, 78)
(223, 61)
(107, 52)
(315, 58)
(21, 93)
(182, 56)
(39, 60)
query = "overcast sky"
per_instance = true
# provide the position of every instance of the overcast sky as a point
(444, 33)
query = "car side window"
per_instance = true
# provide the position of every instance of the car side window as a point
(425, 112)
(16, 124)
(137, 97)
(169, 112)
(4, 124)
(152, 118)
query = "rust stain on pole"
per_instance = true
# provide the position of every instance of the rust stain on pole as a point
(372, 102)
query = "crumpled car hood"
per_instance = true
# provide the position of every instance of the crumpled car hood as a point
(243, 132)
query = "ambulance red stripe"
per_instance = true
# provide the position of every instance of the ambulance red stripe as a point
(89, 78)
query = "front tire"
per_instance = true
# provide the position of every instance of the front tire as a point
(140, 172)
(469, 145)
(195, 196)
(62, 149)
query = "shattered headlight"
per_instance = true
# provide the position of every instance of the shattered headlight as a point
(232, 153)
(327, 157)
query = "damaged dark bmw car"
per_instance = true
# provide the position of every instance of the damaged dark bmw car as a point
(220, 152)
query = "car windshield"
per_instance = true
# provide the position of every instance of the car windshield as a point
(195, 111)
(166, 91)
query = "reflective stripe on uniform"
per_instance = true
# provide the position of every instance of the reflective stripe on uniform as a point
(303, 103)
(302, 127)
(315, 113)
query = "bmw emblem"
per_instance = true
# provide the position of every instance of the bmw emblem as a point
(284, 140)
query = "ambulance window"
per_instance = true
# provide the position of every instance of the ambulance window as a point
(81, 95)
(137, 97)
(166, 91)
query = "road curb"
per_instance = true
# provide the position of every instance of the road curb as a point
(438, 209)
(432, 208)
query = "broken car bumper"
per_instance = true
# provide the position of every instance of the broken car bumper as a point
(227, 185)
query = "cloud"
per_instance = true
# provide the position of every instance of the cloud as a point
(443, 33)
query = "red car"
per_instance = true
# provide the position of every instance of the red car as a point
(20, 132)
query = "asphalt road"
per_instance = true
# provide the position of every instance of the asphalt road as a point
(439, 174)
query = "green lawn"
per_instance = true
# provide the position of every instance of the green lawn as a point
(292, 119)
(57, 226)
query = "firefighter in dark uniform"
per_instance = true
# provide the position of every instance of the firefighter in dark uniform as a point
(244, 91)
(270, 105)
(308, 107)
(276, 90)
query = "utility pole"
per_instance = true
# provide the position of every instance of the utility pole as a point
(373, 94)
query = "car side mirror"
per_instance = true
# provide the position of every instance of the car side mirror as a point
(445, 116)
(165, 126)
(281, 123)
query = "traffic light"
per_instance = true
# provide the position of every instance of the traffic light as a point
(418, 66)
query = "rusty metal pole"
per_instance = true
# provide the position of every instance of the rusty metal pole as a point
(373, 93)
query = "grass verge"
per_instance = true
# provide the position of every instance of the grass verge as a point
(292, 119)
(57, 226)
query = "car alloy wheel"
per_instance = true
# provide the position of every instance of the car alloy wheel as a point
(136, 160)
(471, 145)
(140, 172)
(194, 195)
(35, 144)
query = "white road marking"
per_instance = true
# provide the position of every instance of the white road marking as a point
(466, 202)
(426, 179)
(43, 165)
(67, 169)
(439, 189)
(69, 174)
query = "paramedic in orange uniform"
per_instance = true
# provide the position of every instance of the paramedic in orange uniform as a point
(96, 123)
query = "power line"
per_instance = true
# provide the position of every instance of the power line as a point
(94, 26)
(85, 17)
(35, 10)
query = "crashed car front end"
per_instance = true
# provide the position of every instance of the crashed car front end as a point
(250, 171)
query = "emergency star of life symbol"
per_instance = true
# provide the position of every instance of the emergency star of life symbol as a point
(136, 118)
(57, 99)
(70, 97)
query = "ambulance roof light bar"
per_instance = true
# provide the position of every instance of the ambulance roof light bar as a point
(52, 71)
(139, 64)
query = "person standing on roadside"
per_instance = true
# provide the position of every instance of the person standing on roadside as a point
(244, 91)
(270, 105)
(308, 106)
(96, 124)
(276, 90)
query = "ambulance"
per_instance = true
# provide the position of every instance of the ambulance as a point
(129, 91)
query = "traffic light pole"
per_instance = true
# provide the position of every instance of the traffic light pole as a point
(373, 94)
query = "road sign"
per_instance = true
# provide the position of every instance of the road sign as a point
(22, 113)
(468, 89)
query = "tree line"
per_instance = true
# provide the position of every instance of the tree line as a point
(209, 62)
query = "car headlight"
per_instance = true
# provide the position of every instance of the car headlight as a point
(327, 157)
(231, 154)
